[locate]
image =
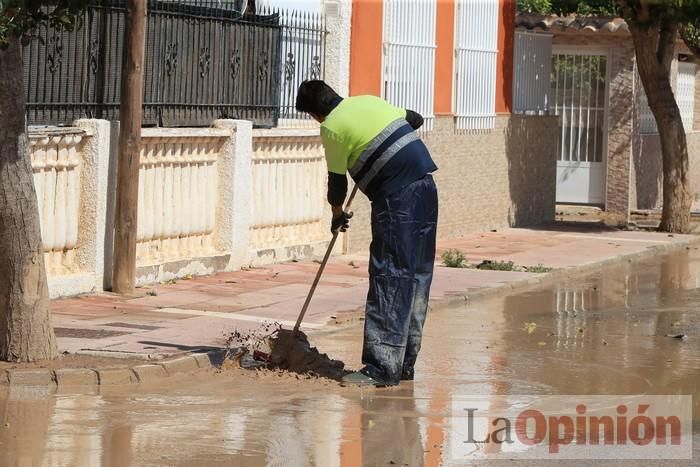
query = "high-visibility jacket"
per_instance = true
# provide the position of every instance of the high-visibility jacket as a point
(371, 139)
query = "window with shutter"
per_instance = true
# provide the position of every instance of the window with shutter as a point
(409, 55)
(476, 53)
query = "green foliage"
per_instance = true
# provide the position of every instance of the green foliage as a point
(691, 35)
(20, 18)
(585, 7)
(497, 266)
(565, 7)
(539, 269)
(535, 6)
(454, 259)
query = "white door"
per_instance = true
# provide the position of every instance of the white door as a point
(579, 98)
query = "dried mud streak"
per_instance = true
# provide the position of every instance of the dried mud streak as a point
(294, 353)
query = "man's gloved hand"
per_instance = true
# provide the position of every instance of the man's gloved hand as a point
(341, 221)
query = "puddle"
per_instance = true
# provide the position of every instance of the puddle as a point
(602, 334)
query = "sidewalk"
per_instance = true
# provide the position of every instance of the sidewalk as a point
(171, 319)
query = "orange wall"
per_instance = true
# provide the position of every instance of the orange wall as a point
(506, 44)
(366, 53)
(366, 48)
(444, 56)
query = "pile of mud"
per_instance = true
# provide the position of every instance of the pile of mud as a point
(275, 348)
(292, 352)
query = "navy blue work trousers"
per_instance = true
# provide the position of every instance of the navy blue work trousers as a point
(402, 256)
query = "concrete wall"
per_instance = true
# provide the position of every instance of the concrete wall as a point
(70, 176)
(210, 199)
(696, 113)
(194, 194)
(338, 17)
(486, 180)
(647, 174)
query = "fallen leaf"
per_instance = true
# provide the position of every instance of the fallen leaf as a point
(541, 344)
(530, 327)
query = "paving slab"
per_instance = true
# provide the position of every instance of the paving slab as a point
(197, 315)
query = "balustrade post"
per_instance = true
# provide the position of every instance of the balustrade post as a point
(234, 212)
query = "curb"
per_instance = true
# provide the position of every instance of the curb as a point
(570, 272)
(86, 378)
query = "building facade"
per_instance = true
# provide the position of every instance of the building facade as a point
(452, 61)
(583, 70)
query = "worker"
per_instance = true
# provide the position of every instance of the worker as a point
(377, 144)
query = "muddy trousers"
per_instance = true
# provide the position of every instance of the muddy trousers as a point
(402, 255)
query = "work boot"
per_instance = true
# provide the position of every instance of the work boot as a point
(361, 379)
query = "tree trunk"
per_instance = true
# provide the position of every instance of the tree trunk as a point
(25, 327)
(654, 47)
(675, 216)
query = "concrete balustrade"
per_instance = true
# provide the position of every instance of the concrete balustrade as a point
(178, 183)
(56, 161)
(194, 202)
(290, 214)
(70, 178)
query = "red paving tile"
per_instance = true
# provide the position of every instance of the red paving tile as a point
(278, 292)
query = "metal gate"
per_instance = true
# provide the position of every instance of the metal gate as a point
(579, 97)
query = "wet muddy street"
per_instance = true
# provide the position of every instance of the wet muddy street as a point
(605, 334)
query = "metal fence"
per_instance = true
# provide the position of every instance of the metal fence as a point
(303, 55)
(204, 60)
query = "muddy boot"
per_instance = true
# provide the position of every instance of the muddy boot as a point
(407, 374)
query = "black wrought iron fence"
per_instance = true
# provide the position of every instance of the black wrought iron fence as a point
(204, 60)
(303, 55)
